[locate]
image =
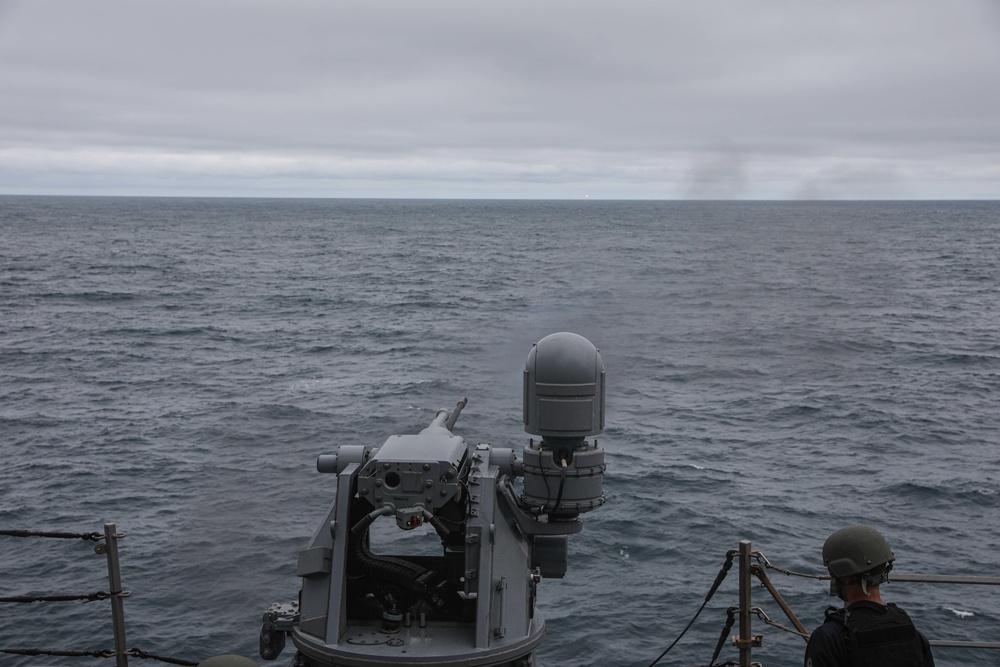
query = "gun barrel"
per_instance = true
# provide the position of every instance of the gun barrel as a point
(453, 417)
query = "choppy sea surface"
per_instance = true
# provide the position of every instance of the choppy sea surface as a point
(775, 371)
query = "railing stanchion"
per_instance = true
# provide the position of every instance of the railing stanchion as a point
(744, 640)
(117, 602)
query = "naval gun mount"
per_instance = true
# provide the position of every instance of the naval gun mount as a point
(475, 603)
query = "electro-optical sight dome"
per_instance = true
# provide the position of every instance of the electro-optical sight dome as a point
(564, 387)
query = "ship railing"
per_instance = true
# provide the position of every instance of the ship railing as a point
(107, 545)
(753, 564)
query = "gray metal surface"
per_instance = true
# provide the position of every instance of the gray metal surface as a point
(474, 604)
(564, 387)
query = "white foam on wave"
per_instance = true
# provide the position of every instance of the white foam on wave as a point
(960, 613)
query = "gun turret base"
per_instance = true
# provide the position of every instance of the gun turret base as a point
(367, 646)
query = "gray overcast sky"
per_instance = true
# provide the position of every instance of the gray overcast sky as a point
(846, 99)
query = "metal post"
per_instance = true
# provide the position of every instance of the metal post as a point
(758, 571)
(117, 603)
(744, 640)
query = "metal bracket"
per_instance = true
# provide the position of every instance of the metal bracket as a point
(754, 642)
(501, 587)
(281, 616)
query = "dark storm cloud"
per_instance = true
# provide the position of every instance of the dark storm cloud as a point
(633, 99)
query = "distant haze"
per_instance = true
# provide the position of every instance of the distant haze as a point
(897, 99)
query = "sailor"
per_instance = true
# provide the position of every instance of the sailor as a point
(866, 632)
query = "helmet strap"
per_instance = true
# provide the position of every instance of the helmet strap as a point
(866, 580)
(876, 579)
(837, 589)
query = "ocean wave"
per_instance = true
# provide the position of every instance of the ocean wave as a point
(91, 297)
(959, 613)
(951, 492)
(771, 374)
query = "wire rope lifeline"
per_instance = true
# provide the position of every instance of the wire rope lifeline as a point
(762, 559)
(757, 611)
(89, 597)
(106, 653)
(93, 537)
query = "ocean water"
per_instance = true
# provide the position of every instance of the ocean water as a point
(775, 371)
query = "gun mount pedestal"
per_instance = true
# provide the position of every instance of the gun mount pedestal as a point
(474, 604)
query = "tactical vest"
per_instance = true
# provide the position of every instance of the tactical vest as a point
(880, 640)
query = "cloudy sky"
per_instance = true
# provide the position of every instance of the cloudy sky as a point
(617, 99)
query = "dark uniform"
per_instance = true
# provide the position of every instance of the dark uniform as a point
(867, 634)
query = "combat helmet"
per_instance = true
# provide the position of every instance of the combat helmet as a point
(857, 551)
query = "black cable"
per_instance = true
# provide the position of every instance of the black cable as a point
(93, 537)
(90, 597)
(730, 620)
(465, 510)
(132, 652)
(562, 484)
(683, 632)
(538, 511)
(144, 655)
(715, 586)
